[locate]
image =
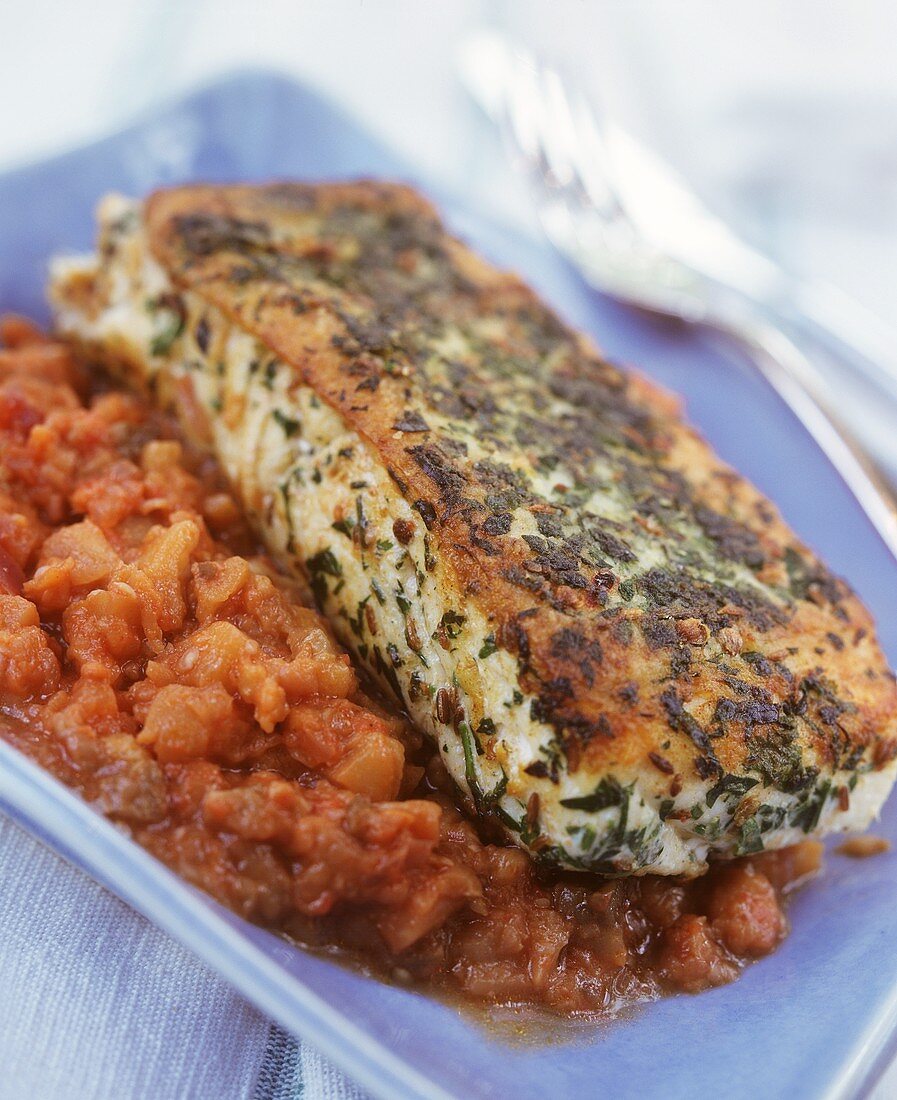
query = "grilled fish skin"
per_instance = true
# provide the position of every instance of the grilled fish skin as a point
(627, 659)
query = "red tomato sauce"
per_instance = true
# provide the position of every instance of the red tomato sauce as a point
(154, 660)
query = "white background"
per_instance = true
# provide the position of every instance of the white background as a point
(783, 113)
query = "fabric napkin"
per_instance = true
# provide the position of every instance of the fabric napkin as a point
(98, 1004)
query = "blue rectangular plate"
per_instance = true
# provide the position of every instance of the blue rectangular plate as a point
(814, 1020)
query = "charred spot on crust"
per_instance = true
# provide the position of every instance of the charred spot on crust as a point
(680, 593)
(203, 234)
(411, 421)
(679, 719)
(439, 468)
(201, 335)
(512, 635)
(809, 579)
(613, 546)
(497, 524)
(555, 564)
(576, 648)
(427, 513)
(629, 693)
(538, 769)
(734, 540)
(504, 489)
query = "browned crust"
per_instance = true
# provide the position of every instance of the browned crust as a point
(610, 676)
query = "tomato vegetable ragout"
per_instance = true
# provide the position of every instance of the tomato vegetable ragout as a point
(152, 659)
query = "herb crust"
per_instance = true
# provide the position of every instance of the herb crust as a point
(681, 647)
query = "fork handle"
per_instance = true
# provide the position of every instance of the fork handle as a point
(797, 381)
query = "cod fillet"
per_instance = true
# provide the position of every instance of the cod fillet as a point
(627, 660)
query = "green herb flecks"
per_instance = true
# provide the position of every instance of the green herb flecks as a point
(345, 526)
(808, 811)
(750, 833)
(321, 566)
(173, 318)
(357, 622)
(468, 743)
(609, 792)
(731, 788)
(452, 623)
(288, 423)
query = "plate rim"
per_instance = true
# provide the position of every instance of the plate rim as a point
(53, 813)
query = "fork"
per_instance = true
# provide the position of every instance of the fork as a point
(621, 250)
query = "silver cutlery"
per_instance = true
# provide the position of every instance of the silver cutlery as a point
(637, 234)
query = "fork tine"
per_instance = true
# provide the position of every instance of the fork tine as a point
(573, 146)
(593, 163)
(557, 129)
(521, 110)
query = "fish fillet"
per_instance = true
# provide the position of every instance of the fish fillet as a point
(628, 661)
